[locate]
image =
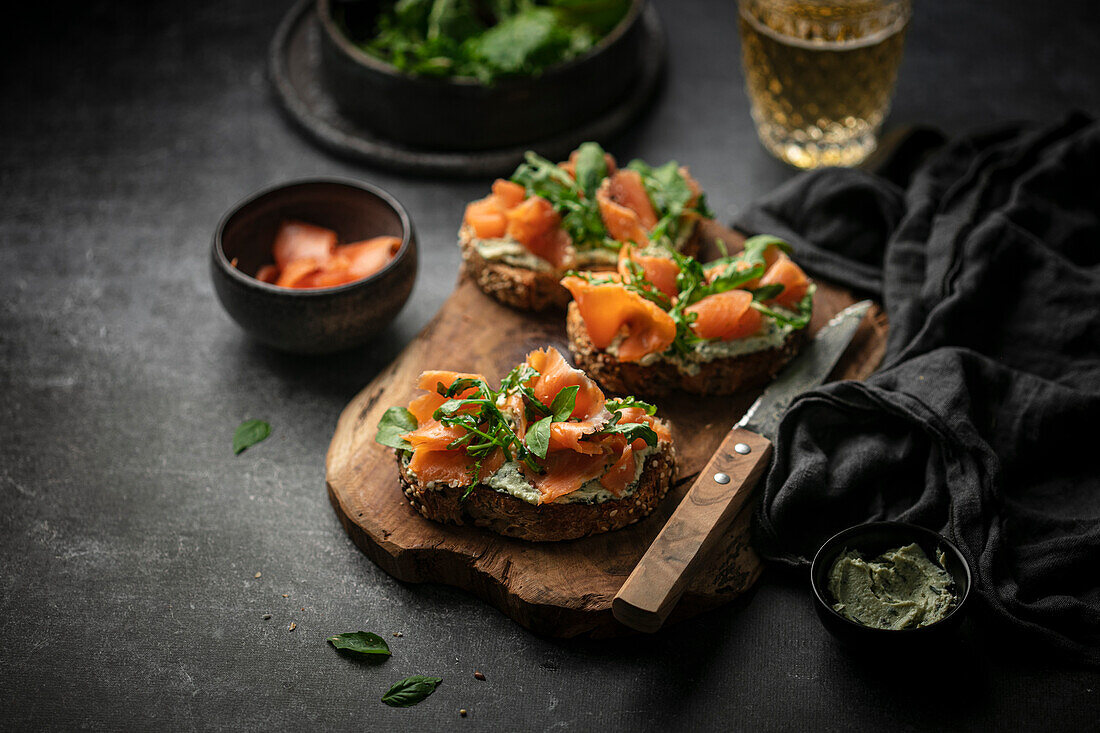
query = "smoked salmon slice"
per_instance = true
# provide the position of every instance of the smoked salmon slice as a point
(555, 374)
(486, 217)
(297, 240)
(609, 310)
(727, 315)
(565, 472)
(536, 226)
(661, 271)
(786, 273)
(452, 467)
(623, 223)
(621, 472)
(369, 256)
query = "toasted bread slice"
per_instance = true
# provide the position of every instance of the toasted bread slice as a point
(513, 517)
(715, 377)
(524, 288)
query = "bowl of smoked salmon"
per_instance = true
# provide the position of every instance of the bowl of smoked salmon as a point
(314, 266)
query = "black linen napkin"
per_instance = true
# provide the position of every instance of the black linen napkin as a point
(984, 421)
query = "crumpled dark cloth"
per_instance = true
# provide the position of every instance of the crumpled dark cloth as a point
(984, 421)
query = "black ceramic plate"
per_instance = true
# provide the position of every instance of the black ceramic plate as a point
(294, 64)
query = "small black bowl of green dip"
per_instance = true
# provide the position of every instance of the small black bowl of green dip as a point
(890, 583)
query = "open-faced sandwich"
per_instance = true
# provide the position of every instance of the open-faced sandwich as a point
(520, 240)
(543, 457)
(665, 321)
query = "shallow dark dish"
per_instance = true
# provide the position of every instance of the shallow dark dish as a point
(322, 320)
(464, 114)
(872, 539)
(294, 66)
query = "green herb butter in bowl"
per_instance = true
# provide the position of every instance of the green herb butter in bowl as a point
(889, 582)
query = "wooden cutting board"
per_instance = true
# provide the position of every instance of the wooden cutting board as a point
(560, 588)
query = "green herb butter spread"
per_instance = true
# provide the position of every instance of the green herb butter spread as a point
(509, 479)
(511, 252)
(900, 589)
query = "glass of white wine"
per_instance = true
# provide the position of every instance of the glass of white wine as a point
(820, 74)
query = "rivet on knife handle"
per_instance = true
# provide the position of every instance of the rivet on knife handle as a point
(703, 516)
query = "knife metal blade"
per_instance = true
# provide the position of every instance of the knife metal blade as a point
(808, 370)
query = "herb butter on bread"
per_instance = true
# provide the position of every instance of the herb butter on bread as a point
(548, 219)
(664, 321)
(544, 457)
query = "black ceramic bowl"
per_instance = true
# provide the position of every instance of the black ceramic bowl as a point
(871, 540)
(322, 320)
(460, 113)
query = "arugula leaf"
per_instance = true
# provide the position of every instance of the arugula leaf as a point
(580, 214)
(362, 642)
(591, 168)
(248, 434)
(410, 691)
(454, 19)
(631, 431)
(564, 402)
(761, 242)
(484, 39)
(395, 422)
(767, 292)
(537, 439)
(617, 404)
(523, 43)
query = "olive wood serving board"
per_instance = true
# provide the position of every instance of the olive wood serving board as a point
(559, 589)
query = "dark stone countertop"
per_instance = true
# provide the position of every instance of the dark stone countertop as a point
(130, 533)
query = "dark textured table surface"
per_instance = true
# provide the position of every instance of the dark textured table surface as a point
(140, 555)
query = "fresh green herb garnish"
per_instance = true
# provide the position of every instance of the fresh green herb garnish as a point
(734, 272)
(482, 39)
(410, 691)
(394, 423)
(621, 403)
(580, 213)
(248, 434)
(537, 439)
(575, 199)
(671, 196)
(362, 642)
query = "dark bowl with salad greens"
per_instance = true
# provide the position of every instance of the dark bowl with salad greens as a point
(478, 74)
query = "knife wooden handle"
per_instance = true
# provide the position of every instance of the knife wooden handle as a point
(704, 515)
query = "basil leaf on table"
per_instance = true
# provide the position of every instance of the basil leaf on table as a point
(394, 423)
(248, 434)
(410, 691)
(362, 642)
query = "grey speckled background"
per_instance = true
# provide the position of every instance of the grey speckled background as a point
(130, 534)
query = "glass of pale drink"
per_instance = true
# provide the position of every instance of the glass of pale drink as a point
(820, 74)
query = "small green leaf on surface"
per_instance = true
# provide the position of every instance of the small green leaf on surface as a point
(410, 691)
(362, 642)
(248, 434)
(394, 423)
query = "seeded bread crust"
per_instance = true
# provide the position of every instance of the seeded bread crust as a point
(715, 377)
(522, 288)
(512, 517)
